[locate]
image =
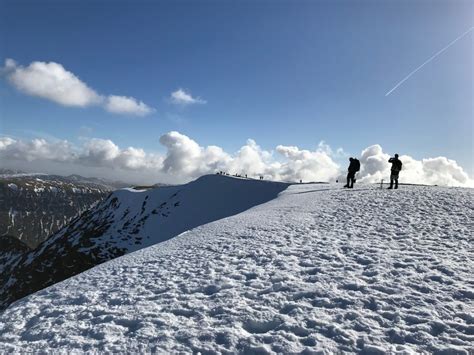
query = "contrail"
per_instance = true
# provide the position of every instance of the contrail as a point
(429, 60)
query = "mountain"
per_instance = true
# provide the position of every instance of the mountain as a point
(129, 220)
(4, 171)
(112, 185)
(317, 269)
(12, 249)
(34, 206)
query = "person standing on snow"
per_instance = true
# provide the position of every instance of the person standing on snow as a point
(354, 167)
(395, 170)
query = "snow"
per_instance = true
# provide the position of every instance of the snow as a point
(131, 189)
(13, 187)
(316, 269)
(12, 213)
(9, 176)
(140, 218)
(39, 189)
(53, 189)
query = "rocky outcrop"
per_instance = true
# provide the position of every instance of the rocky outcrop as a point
(33, 207)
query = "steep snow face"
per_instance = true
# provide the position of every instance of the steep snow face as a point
(144, 218)
(318, 268)
(129, 220)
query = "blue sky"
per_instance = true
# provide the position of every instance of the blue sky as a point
(279, 72)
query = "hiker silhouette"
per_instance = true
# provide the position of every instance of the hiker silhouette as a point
(395, 170)
(354, 167)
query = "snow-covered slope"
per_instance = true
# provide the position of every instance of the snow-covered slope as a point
(129, 220)
(318, 268)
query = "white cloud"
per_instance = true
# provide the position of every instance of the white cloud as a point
(183, 154)
(127, 105)
(10, 64)
(181, 97)
(185, 159)
(51, 81)
(99, 151)
(307, 165)
(252, 160)
(95, 153)
(5, 142)
(36, 149)
(105, 153)
(374, 164)
(430, 171)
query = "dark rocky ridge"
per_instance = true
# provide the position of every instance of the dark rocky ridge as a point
(33, 207)
(12, 249)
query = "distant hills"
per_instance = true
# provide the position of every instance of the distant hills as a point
(34, 206)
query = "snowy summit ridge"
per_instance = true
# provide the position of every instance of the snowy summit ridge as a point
(126, 221)
(316, 269)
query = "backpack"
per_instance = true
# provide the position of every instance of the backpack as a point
(397, 166)
(357, 165)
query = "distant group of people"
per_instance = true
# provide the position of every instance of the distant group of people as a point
(354, 167)
(236, 175)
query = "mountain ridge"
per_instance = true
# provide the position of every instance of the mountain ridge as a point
(128, 220)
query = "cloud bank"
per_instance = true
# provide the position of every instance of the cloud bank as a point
(51, 81)
(185, 159)
(430, 171)
(181, 97)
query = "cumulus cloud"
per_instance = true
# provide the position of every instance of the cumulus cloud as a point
(95, 153)
(127, 105)
(5, 142)
(105, 153)
(36, 149)
(185, 159)
(99, 151)
(430, 171)
(374, 164)
(252, 159)
(181, 97)
(51, 81)
(307, 165)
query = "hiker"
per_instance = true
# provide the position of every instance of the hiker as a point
(395, 170)
(354, 167)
